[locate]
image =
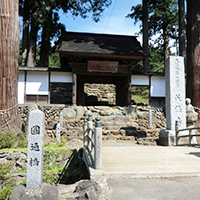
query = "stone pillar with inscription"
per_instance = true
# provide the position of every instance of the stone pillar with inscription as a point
(35, 149)
(58, 132)
(175, 98)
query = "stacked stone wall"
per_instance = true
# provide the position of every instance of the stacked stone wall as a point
(104, 93)
(118, 123)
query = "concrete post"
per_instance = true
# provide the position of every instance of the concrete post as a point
(90, 132)
(98, 144)
(150, 118)
(85, 132)
(58, 132)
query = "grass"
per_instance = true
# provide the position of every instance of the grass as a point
(140, 94)
(47, 147)
(25, 149)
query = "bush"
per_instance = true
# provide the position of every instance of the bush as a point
(6, 180)
(9, 139)
(52, 168)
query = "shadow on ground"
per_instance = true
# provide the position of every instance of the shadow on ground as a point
(76, 169)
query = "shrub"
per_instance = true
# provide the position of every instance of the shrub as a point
(52, 168)
(7, 139)
(10, 139)
(6, 180)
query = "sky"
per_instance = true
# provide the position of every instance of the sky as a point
(112, 21)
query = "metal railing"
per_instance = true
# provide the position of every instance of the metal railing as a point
(189, 136)
(92, 142)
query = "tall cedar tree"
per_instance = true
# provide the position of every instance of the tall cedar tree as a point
(44, 16)
(163, 18)
(145, 35)
(182, 30)
(193, 51)
(9, 52)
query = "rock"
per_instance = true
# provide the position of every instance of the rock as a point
(105, 113)
(143, 115)
(88, 112)
(69, 113)
(51, 125)
(146, 141)
(86, 190)
(131, 110)
(46, 192)
(80, 111)
(2, 155)
(117, 113)
(49, 192)
(33, 107)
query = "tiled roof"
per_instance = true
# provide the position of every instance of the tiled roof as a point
(103, 44)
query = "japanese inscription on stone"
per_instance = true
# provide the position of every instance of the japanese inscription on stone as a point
(35, 149)
(175, 92)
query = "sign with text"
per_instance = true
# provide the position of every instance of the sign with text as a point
(102, 66)
(35, 149)
(175, 92)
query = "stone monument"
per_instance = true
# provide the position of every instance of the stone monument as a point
(175, 99)
(58, 132)
(35, 149)
(191, 118)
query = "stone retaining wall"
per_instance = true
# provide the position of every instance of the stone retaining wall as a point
(118, 123)
(18, 159)
(104, 93)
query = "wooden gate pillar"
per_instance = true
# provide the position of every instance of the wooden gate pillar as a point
(74, 96)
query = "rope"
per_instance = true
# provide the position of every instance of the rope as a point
(196, 108)
(6, 110)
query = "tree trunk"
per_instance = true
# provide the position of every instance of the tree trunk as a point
(31, 59)
(45, 43)
(145, 35)
(193, 51)
(9, 53)
(166, 42)
(182, 31)
(26, 15)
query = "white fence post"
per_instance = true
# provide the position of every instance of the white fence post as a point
(90, 132)
(85, 133)
(98, 144)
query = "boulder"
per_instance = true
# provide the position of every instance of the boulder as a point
(69, 113)
(86, 190)
(131, 110)
(80, 111)
(105, 113)
(46, 192)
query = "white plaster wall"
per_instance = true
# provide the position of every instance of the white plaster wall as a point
(37, 83)
(21, 79)
(61, 77)
(157, 86)
(139, 80)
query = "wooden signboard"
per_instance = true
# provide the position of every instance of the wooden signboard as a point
(102, 66)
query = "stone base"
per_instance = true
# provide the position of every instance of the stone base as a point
(167, 138)
(45, 192)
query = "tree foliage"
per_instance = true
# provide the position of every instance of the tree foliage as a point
(41, 23)
(156, 61)
(163, 20)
